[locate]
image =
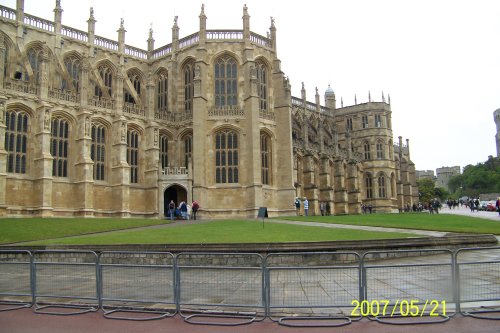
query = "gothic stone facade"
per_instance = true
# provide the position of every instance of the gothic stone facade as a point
(95, 127)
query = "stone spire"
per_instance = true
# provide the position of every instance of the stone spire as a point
(151, 41)
(203, 18)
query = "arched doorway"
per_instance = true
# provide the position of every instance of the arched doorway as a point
(176, 193)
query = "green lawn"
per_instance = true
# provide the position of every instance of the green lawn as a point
(419, 221)
(227, 231)
(26, 229)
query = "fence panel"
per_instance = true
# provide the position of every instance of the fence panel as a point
(418, 289)
(137, 282)
(66, 281)
(15, 280)
(222, 288)
(313, 289)
(478, 278)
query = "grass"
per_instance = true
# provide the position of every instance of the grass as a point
(227, 231)
(418, 221)
(14, 230)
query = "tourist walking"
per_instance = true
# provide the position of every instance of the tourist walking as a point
(497, 204)
(322, 208)
(184, 210)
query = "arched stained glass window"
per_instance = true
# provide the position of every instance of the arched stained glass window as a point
(16, 140)
(226, 157)
(59, 147)
(226, 82)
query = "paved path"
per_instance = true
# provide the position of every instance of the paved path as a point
(466, 212)
(366, 228)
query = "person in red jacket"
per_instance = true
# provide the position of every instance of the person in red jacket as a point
(194, 207)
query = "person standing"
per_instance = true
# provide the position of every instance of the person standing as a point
(184, 210)
(306, 207)
(194, 207)
(297, 205)
(322, 208)
(497, 204)
(171, 209)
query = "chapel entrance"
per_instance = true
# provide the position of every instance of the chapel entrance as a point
(176, 193)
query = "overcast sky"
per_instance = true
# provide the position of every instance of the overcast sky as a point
(438, 59)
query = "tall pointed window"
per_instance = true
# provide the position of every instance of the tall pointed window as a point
(366, 146)
(188, 149)
(265, 158)
(162, 92)
(133, 155)
(369, 186)
(16, 141)
(262, 86)
(381, 186)
(107, 79)
(380, 150)
(226, 85)
(136, 83)
(348, 124)
(6, 61)
(188, 86)
(226, 157)
(73, 66)
(98, 151)
(35, 59)
(59, 147)
(164, 151)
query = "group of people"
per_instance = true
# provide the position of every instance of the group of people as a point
(181, 212)
(324, 207)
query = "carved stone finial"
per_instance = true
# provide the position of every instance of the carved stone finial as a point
(175, 19)
(122, 21)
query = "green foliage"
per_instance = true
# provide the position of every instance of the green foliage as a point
(426, 189)
(481, 178)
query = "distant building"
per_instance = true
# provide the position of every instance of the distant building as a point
(496, 117)
(444, 174)
(425, 174)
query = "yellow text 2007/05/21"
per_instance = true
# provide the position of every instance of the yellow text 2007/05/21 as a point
(399, 308)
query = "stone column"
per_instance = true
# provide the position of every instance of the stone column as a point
(340, 189)
(43, 159)
(151, 166)
(84, 166)
(326, 185)
(2, 61)
(353, 192)
(120, 169)
(3, 157)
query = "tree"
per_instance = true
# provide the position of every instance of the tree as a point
(477, 179)
(426, 189)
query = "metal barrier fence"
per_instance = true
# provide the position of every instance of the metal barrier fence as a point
(137, 282)
(312, 289)
(65, 280)
(294, 289)
(214, 286)
(478, 277)
(403, 294)
(15, 280)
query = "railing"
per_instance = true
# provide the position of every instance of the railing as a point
(174, 171)
(8, 13)
(174, 116)
(74, 33)
(39, 23)
(65, 95)
(133, 109)
(400, 287)
(102, 103)
(265, 114)
(260, 40)
(21, 86)
(226, 111)
(136, 52)
(189, 40)
(162, 51)
(106, 43)
(225, 34)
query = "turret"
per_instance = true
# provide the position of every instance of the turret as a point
(330, 102)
